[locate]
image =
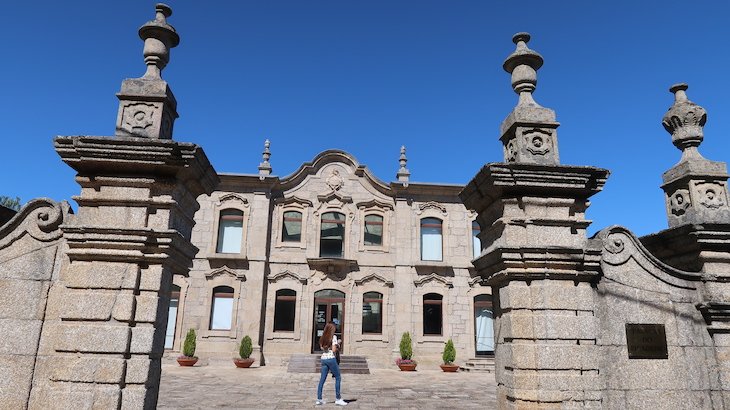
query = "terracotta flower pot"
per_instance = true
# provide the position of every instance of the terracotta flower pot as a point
(243, 363)
(187, 361)
(407, 367)
(449, 368)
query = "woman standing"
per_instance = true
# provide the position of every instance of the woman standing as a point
(329, 364)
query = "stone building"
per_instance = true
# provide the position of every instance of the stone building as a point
(162, 242)
(279, 257)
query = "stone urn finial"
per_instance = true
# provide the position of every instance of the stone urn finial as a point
(685, 121)
(523, 64)
(403, 174)
(265, 166)
(159, 37)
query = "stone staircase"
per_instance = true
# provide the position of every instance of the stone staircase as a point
(309, 363)
(479, 364)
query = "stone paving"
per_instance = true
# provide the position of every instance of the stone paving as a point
(269, 387)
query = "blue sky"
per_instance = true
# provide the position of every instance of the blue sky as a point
(368, 77)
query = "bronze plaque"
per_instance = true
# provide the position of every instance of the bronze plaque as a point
(646, 341)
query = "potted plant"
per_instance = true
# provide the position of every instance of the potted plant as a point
(405, 363)
(244, 350)
(449, 355)
(188, 357)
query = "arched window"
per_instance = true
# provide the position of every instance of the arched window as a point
(172, 316)
(332, 235)
(475, 242)
(285, 310)
(221, 311)
(373, 230)
(431, 239)
(292, 227)
(230, 231)
(484, 324)
(372, 312)
(432, 314)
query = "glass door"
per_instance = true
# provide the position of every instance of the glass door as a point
(328, 307)
(484, 325)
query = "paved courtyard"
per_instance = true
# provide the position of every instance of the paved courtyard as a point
(268, 387)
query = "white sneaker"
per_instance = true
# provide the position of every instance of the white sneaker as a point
(319, 402)
(340, 402)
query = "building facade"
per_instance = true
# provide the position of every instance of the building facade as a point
(280, 257)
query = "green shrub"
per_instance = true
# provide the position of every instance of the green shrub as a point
(246, 348)
(406, 350)
(449, 354)
(189, 345)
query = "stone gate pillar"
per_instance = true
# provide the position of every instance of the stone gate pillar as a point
(105, 326)
(698, 239)
(538, 260)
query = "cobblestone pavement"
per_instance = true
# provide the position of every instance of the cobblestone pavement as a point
(268, 387)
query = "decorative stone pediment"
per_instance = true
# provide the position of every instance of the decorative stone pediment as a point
(476, 281)
(374, 203)
(373, 277)
(226, 271)
(286, 274)
(334, 196)
(420, 208)
(39, 218)
(433, 277)
(293, 200)
(231, 197)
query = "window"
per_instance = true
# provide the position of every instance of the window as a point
(484, 324)
(292, 227)
(432, 317)
(332, 235)
(230, 231)
(221, 311)
(373, 230)
(172, 316)
(431, 240)
(372, 312)
(475, 242)
(284, 310)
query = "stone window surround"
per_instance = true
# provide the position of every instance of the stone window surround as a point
(433, 213)
(285, 280)
(382, 210)
(372, 283)
(230, 201)
(471, 222)
(183, 283)
(292, 204)
(347, 231)
(476, 288)
(222, 277)
(438, 287)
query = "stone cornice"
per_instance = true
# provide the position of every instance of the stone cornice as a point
(129, 245)
(499, 180)
(506, 264)
(139, 156)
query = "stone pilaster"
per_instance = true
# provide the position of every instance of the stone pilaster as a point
(537, 259)
(107, 315)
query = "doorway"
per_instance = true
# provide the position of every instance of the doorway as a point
(329, 306)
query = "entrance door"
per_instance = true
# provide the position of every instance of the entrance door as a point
(328, 307)
(484, 325)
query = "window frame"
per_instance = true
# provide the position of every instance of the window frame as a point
(475, 252)
(221, 233)
(345, 233)
(420, 237)
(230, 201)
(218, 290)
(382, 209)
(289, 205)
(435, 301)
(292, 298)
(380, 300)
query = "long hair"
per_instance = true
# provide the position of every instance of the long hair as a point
(325, 341)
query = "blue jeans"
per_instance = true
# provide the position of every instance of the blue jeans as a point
(329, 365)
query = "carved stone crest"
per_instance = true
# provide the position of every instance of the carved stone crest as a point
(334, 180)
(537, 141)
(679, 201)
(711, 195)
(138, 117)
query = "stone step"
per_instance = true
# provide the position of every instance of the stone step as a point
(479, 364)
(310, 363)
